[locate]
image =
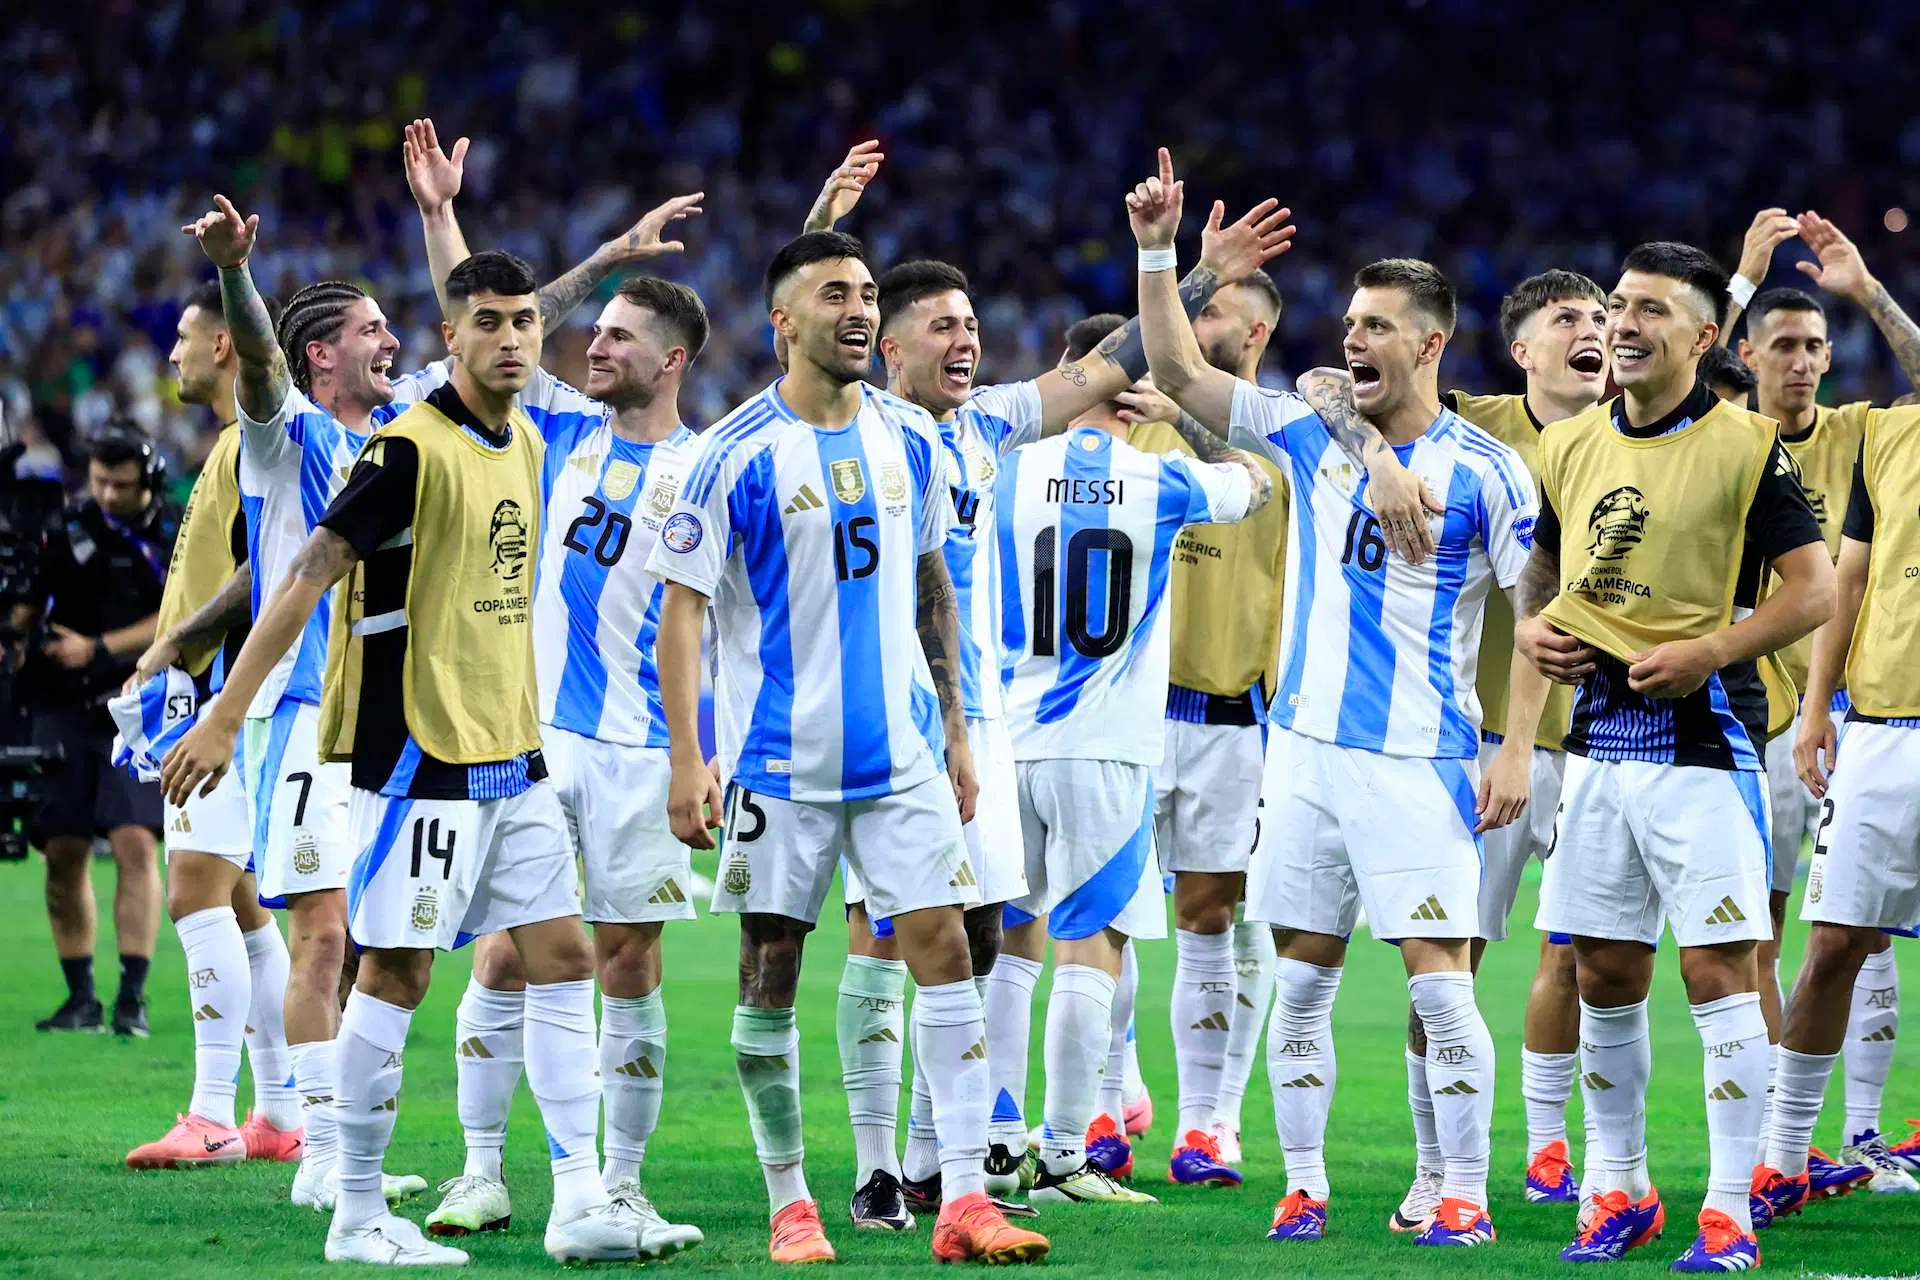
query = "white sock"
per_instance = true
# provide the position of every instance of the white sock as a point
(1873, 1029)
(313, 1075)
(273, 1093)
(951, 1039)
(1120, 1036)
(1300, 1067)
(1801, 1089)
(1616, 1058)
(633, 1068)
(1427, 1157)
(562, 1063)
(1460, 1072)
(220, 987)
(1253, 969)
(870, 1025)
(1733, 1032)
(922, 1158)
(369, 1050)
(766, 1058)
(1134, 1085)
(488, 1052)
(1766, 1105)
(1009, 1005)
(1589, 1147)
(1204, 983)
(1546, 1084)
(1079, 1034)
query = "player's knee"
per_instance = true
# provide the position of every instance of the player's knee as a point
(398, 977)
(134, 849)
(496, 964)
(628, 959)
(1714, 973)
(983, 938)
(1835, 953)
(770, 950)
(317, 937)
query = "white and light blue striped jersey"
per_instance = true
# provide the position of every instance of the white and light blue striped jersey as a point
(596, 609)
(151, 720)
(1376, 653)
(807, 541)
(993, 421)
(291, 465)
(1086, 525)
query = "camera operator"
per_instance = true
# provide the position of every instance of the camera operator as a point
(96, 598)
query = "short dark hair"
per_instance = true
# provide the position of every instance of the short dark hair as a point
(314, 314)
(1721, 368)
(492, 271)
(118, 443)
(1536, 293)
(673, 306)
(1692, 267)
(1768, 301)
(1422, 282)
(805, 250)
(1084, 335)
(1262, 283)
(907, 283)
(206, 297)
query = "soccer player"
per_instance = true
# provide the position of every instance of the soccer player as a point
(1865, 874)
(615, 458)
(1225, 615)
(459, 832)
(1663, 814)
(236, 958)
(1375, 700)
(305, 403)
(813, 522)
(1786, 346)
(1086, 525)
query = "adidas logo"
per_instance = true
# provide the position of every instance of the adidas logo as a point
(1594, 1080)
(1307, 1081)
(1458, 1089)
(666, 894)
(1884, 1033)
(317, 1099)
(883, 1036)
(391, 1104)
(641, 1068)
(182, 824)
(206, 1013)
(978, 1053)
(1726, 1091)
(471, 1047)
(805, 500)
(748, 1062)
(1726, 913)
(1215, 1021)
(1430, 910)
(1242, 1001)
(963, 880)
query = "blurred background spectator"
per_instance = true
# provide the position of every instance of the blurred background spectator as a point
(1496, 137)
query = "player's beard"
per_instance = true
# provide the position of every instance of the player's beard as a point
(1223, 355)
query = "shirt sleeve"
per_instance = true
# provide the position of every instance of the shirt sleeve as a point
(1260, 420)
(1780, 519)
(1859, 522)
(1217, 492)
(556, 408)
(695, 540)
(1546, 531)
(1510, 514)
(937, 516)
(1012, 410)
(280, 436)
(421, 383)
(377, 502)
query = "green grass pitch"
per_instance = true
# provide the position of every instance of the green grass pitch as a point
(70, 1107)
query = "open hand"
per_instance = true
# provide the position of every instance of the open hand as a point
(433, 175)
(845, 185)
(642, 240)
(1237, 249)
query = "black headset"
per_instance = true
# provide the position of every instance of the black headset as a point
(153, 466)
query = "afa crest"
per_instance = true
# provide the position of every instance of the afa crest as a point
(426, 910)
(306, 853)
(660, 496)
(893, 482)
(738, 878)
(849, 481)
(620, 478)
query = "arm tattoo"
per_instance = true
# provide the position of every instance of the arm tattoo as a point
(937, 618)
(1075, 372)
(1899, 329)
(324, 558)
(1539, 581)
(230, 606)
(558, 298)
(1126, 347)
(1206, 446)
(1331, 395)
(263, 379)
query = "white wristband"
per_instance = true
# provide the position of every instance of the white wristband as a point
(1741, 290)
(1157, 259)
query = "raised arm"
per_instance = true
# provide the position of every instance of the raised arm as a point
(637, 244)
(434, 177)
(937, 618)
(207, 749)
(844, 186)
(227, 239)
(1842, 270)
(1769, 230)
(1166, 334)
(1814, 744)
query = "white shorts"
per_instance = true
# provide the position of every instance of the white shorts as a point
(1792, 807)
(301, 828)
(219, 825)
(1641, 843)
(1206, 796)
(1866, 856)
(1342, 828)
(993, 837)
(615, 801)
(439, 873)
(1087, 826)
(778, 856)
(1508, 848)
